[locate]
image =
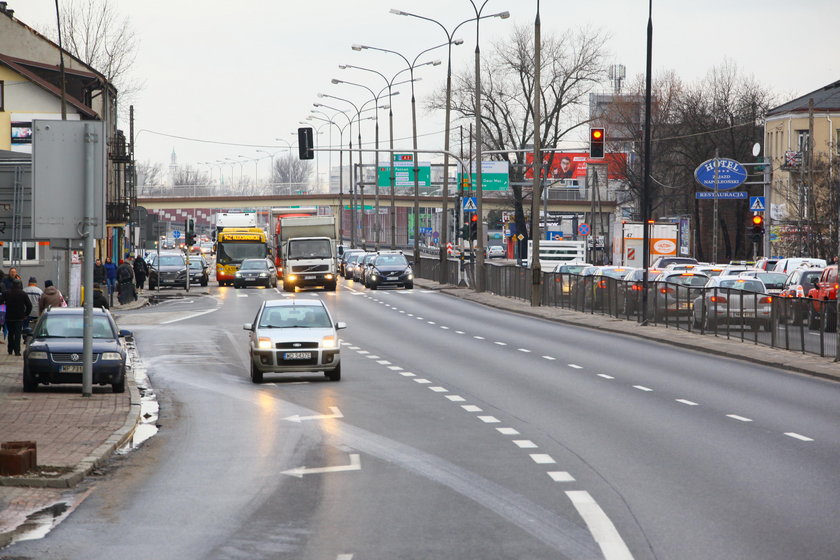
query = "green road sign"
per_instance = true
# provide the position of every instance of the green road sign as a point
(495, 176)
(404, 172)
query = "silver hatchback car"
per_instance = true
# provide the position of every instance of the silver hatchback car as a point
(292, 335)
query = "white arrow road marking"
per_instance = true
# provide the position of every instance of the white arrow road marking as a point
(355, 465)
(335, 414)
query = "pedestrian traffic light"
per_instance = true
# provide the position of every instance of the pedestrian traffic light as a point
(474, 227)
(757, 227)
(306, 144)
(596, 143)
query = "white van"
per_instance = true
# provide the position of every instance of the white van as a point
(789, 265)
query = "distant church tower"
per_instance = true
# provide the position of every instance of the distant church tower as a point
(173, 168)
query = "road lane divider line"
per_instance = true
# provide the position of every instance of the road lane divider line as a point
(542, 458)
(439, 389)
(500, 343)
(575, 366)
(460, 332)
(525, 350)
(406, 374)
(560, 476)
(508, 431)
(549, 358)
(739, 418)
(395, 368)
(642, 388)
(525, 444)
(602, 529)
(471, 408)
(689, 403)
(800, 437)
(383, 362)
(489, 419)
(192, 316)
(421, 381)
(455, 398)
(605, 376)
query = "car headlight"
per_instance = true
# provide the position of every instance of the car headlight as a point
(373, 276)
(38, 356)
(263, 274)
(328, 276)
(329, 342)
(238, 273)
(264, 343)
(111, 356)
(410, 276)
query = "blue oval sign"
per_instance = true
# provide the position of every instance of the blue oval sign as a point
(730, 174)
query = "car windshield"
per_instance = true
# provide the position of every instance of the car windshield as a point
(171, 260)
(254, 265)
(391, 260)
(72, 326)
(292, 316)
(745, 285)
(310, 249)
(570, 269)
(687, 280)
(773, 280)
(615, 272)
(196, 264)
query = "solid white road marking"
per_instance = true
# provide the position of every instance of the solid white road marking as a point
(489, 419)
(542, 459)
(455, 398)
(575, 366)
(336, 413)
(190, 316)
(689, 403)
(739, 418)
(642, 388)
(798, 436)
(471, 408)
(525, 444)
(605, 376)
(508, 431)
(355, 465)
(602, 529)
(561, 476)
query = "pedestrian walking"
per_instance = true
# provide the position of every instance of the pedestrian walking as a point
(100, 275)
(50, 298)
(125, 283)
(99, 299)
(9, 278)
(110, 274)
(18, 308)
(34, 292)
(141, 270)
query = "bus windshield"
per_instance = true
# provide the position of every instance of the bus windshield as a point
(234, 252)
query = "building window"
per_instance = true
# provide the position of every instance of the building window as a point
(2, 96)
(802, 145)
(25, 252)
(837, 141)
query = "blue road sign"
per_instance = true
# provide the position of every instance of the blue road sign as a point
(176, 234)
(470, 204)
(554, 236)
(727, 173)
(757, 203)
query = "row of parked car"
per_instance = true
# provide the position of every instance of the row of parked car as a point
(709, 295)
(377, 269)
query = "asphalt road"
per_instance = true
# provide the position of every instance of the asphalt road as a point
(459, 431)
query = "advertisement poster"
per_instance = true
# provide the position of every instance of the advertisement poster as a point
(572, 165)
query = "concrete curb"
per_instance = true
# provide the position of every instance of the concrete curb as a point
(808, 364)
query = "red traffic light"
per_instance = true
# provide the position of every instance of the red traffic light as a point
(474, 218)
(596, 143)
(597, 133)
(757, 220)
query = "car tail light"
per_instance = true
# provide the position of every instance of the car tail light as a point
(766, 299)
(666, 291)
(636, 288)
(602, 283)
(717, 299)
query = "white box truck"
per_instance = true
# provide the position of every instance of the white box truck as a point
(553, 253)
(307, 247)
(628, 245)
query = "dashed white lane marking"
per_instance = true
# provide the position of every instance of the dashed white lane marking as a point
(444, 328)
(549, 358)
(689, 403)
(524, 350)
(798, 436)
(508, 431)
(455, 398)
(602, 529)
(542, 459)
(525, 444)
(363, 352)
(500, 343)
(459, 332)
(422, 381)
(395, 368)
(478, 337)
(344, 557)
(471, 408)
(605, 376)
(739, 418)
(241, 295)
(372, 356)
(489, 419)
(561, 476)
(401, 311)
(411, 314)
(439, 389)
(642, 388)
(420, 318)
(383, 362)
(575, 366)
(406, 374)
(431, 322)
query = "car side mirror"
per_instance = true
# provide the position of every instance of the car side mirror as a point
(125, 333)
(340, 325)
(248, 327)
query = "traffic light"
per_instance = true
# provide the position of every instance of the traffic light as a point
(189, 232)
(757, 227)
(474, 227)
(596, 143)
(306, 143)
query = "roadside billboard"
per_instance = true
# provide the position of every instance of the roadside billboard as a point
(573, 165)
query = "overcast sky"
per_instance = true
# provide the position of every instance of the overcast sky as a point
(246, 72)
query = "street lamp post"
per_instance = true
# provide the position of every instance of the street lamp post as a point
(271, 157)
(411, 67)
(256, 170)
(232, 161)
(444, 261)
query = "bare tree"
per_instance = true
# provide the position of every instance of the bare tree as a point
(149, 178)
(290, 173)
(571, 66)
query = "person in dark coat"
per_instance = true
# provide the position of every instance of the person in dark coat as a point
(100, 275)
(140, 272)
(18, 308)
(110, 275)
(125, 283)
(50, 298)
(99, 299)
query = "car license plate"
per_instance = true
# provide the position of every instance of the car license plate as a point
(393, 278)
(71, 369)
(309, 278)
(297, 355)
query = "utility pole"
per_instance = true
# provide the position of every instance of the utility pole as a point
(536, 270)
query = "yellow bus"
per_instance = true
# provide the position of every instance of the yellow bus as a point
(233, 245)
